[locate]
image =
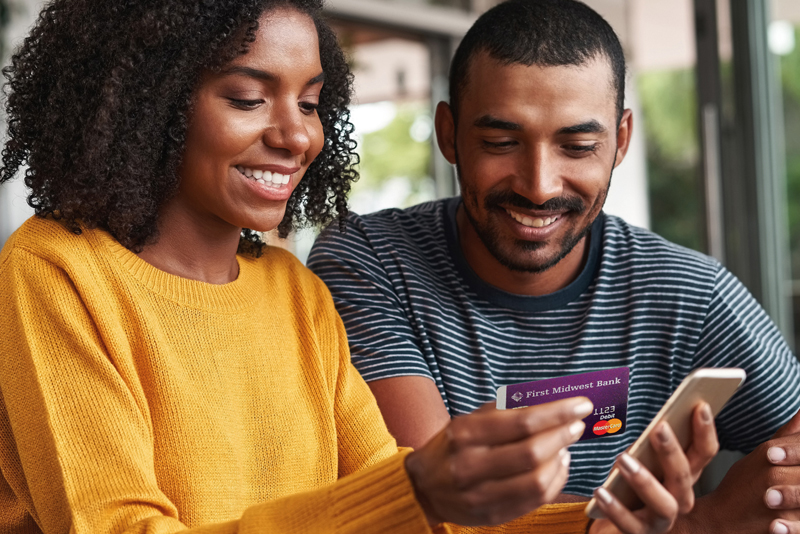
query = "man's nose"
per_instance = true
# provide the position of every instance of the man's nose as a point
(543, 180)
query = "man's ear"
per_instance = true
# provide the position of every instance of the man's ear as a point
(446, 131)
(624, 133)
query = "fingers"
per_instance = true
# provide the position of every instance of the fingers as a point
(661, 506)
(678, 476)
(498, 501)
(784, 527)
(705, 444)
(493, 465)
(474, 464)
(783, 497)
(784, 452)
(495, 427)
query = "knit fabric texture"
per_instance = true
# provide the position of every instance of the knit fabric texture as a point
(138, 401)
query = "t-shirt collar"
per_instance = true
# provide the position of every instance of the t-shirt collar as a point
(505, 299)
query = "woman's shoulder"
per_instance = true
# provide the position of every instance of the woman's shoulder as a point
(45, 238)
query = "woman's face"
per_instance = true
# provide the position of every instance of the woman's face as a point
(254, 129)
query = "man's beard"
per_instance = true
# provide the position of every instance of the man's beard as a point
(489, 234)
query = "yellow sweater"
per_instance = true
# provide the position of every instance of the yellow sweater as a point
(138, 401)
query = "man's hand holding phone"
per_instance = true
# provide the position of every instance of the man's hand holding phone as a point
(663, 502)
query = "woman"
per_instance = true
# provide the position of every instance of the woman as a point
(160, 367)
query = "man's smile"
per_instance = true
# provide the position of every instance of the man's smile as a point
(532, 222)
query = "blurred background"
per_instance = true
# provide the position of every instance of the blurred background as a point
(715, 89)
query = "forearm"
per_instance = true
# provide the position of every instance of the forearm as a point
(702, 519)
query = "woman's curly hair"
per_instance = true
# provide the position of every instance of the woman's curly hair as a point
(98, 102)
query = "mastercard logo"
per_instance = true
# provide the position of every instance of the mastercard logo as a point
(607, 427)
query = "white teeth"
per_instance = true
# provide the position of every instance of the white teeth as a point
(530, 221)
(265, 177)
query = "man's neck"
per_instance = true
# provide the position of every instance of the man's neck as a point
(491, 271)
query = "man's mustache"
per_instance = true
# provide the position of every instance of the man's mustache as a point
(509, 198)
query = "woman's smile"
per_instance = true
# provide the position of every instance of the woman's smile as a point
(272, 182)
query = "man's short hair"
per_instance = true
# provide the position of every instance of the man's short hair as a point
(539, 32)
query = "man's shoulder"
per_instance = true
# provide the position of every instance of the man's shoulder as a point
(631, 244)
(416, 227)
(427, 216)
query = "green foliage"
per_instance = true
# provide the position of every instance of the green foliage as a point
(790, 83)
(5, 18)
(669, 108)
(392, 153)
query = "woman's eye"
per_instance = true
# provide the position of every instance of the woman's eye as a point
(245, 104)
(308, 107)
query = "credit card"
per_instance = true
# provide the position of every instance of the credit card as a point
(607, 389)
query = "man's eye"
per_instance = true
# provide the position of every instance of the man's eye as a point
(245, 104)
(581, 149)
(498, 144)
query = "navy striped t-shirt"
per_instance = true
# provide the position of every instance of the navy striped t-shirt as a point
(413, 306)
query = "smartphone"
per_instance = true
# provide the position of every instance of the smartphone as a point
(714, 386)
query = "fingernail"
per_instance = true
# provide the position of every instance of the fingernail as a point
(780, 528)
(706, 415)
(776, 454)
(576, 428)
(662, 434)
(629, 464)
(565, 456)
(604, 495)
(584, 408)
(774, 498)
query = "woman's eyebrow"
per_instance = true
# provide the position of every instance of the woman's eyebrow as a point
(251, 73)
(319, 78)
(267, 76)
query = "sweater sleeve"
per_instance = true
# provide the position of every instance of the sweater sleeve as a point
(567, 518)
(77, 445)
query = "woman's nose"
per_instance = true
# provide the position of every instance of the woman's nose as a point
(288, 130)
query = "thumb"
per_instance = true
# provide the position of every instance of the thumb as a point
(792, 427)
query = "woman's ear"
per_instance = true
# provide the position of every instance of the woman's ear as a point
(446, 131)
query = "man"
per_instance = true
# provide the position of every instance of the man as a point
(524, 278)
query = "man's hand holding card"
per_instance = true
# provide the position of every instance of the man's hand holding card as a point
(608, 391)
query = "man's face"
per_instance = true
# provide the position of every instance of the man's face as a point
(535, 147)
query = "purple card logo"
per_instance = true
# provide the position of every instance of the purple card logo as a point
(607, 389)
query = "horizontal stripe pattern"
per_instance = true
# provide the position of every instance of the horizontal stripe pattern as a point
(411, 306)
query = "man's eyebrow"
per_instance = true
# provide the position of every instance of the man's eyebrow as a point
(267, 76)
(488, 122)
(591, 126)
